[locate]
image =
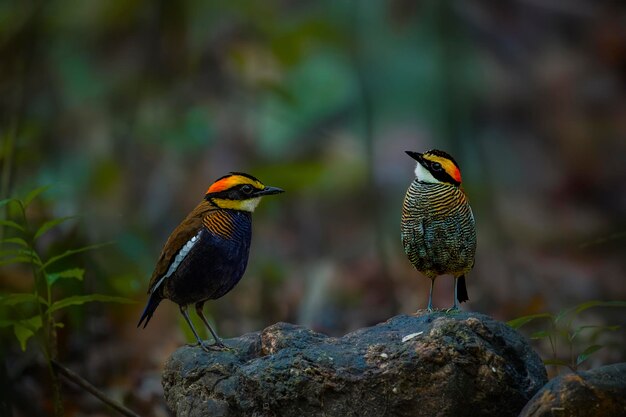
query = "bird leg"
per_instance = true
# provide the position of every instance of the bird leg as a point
(430, 295)
(218, 341)
(455, 306)
(183, 310)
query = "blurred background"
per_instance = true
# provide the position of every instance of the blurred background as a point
(130, 109)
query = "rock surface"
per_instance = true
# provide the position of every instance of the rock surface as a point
(427, 364)
(599, 392)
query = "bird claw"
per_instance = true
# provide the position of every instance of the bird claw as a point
(222, 347)
(453, 310)
(215, 347)
(205, 346)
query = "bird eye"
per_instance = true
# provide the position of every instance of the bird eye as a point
(246, 189)
(436, 166)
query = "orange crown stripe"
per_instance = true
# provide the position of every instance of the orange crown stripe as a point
(231, 181)
(455, 173)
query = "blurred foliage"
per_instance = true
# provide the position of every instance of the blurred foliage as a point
(133, 108)
(562, 330)
(34, 313)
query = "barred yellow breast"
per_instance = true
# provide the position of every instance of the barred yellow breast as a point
(437, 227)
(438, 232)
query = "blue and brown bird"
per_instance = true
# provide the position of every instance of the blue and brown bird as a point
(207, 254)
(438, 229)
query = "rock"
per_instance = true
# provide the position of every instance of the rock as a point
(427, 364)
(599, 392)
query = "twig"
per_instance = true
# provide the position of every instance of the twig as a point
(84, 384)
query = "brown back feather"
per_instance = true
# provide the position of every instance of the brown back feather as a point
(187, 229)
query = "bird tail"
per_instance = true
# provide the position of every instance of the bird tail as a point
(153, 303)
(461, 290)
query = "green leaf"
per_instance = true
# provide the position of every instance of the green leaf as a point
(20, 256)
(589, 304)
(597, 328)
(81, 299)
(556, 362)
(20, 260)
(33, 194)
(19, 298)
(561, 314)
(520, 321)
(21, 252)
(587, 352)
(542, 334)
(15, 240)
(25, 329)
(73, 252)
(11, 252)
(8, 200)
(50, 224)
(76, 273)
(7, 322)
(12, 224)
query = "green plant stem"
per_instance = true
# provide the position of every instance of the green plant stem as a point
(53, 352)
(49, 331)
(56, 389)
(44, 331)
(84, 384)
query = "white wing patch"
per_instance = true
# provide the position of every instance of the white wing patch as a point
(180, 256)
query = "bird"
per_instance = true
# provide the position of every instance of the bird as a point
(207, 253)
(438, 230)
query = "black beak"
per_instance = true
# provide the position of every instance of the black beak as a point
(269, 191)
(415, 155)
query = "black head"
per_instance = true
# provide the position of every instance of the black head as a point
(238, 191)
(436, 166)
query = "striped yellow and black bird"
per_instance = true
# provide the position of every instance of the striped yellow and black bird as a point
(438, 229)
(207, 254)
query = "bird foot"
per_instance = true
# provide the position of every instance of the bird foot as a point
(214, 347)
(453, 310)
(210, 347)
(221, 347)
(205, 346)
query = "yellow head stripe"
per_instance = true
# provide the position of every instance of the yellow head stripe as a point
(446, 164)
(232, 181)
(241, 205)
